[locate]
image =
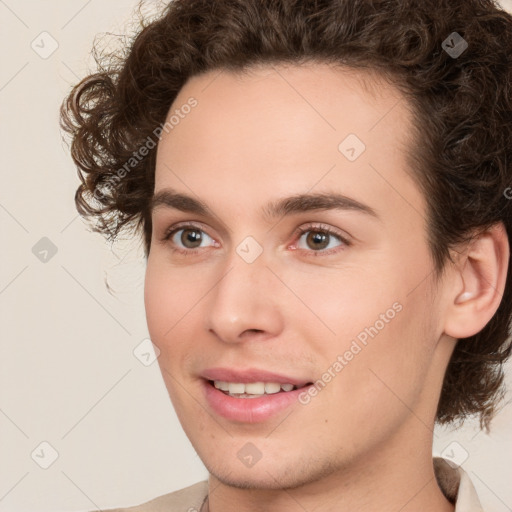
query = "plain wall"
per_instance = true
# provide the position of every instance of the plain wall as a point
(68, 375)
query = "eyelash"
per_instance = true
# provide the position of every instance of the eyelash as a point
(315, 227)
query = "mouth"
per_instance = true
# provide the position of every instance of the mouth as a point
(253, 389)
(250, 396)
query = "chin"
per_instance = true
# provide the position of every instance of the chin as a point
(261, 482)
(270, 475)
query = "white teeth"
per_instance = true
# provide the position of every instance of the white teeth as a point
(224, 386)
(251, 389)
(272, 387)
(219, 384)
(235, 387)
(254, 388)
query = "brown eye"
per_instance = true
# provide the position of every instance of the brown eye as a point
(191, 238)
(188, 238)
(317, 240)
(320, 240)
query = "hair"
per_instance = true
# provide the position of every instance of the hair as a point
(461, 154)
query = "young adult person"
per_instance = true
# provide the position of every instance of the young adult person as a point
(321, 187)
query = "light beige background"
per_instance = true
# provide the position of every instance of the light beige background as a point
(68, 374)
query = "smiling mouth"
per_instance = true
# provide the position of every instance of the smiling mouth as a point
(253, 389)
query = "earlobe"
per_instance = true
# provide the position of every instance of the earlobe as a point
(478, 288)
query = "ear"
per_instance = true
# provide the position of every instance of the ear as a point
(479, 284)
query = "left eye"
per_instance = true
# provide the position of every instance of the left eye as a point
(319, 239)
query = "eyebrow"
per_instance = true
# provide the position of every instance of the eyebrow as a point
(170, 198)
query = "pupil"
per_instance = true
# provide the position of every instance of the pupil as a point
(190, 236)
(319, 239)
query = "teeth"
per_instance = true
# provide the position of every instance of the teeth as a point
(235, 387)
(251, 389)
(223, 386)
(272, 387)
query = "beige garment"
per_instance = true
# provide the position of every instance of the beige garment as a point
(455, 484)
(189, 499)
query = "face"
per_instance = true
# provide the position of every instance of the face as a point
(299, 260)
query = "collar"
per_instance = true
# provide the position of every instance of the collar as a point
(456, 486)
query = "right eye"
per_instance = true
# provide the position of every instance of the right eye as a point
(187, 239)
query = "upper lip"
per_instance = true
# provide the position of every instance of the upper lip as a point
(250, 375)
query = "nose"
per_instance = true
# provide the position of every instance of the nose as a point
(244, 304)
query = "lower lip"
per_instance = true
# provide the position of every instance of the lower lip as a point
(249, 410)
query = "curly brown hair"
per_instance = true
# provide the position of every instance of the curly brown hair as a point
(462, 104)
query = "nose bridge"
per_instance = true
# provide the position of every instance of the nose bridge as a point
(243, 299)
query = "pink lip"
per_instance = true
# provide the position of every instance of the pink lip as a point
(249, 410)
(249, 375)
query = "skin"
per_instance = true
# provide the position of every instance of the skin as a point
(365, 441)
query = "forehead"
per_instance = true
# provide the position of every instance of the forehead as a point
(279, 129)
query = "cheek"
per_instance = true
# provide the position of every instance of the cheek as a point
(157, 302)
(167, 302)
(353, 302)
(380, 336)
(169, 296)
(385, 364)
(174, 298)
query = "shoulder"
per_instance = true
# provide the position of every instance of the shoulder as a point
(188, 499)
